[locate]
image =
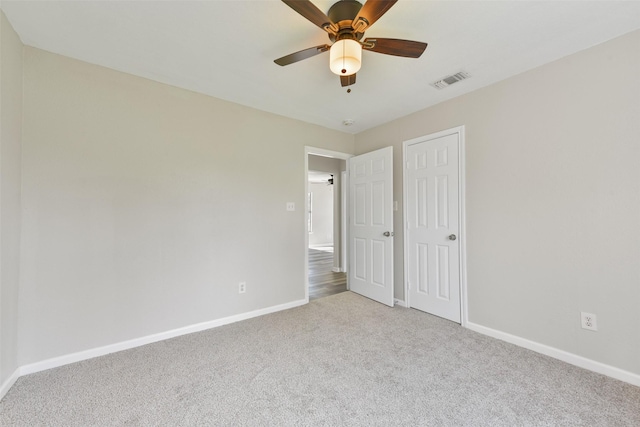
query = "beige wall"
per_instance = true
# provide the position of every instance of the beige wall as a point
(553, 199)
(145, 205)
(10, 177)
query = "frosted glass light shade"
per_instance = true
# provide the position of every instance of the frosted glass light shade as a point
(345, 57)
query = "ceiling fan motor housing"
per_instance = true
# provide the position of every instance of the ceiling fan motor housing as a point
(342, 14)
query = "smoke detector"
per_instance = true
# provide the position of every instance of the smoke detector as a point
(449, 80)
(348, 122)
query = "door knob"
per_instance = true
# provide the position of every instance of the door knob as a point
(387, 234)
(452, 237)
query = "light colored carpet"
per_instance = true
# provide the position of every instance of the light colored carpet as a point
(340, 360)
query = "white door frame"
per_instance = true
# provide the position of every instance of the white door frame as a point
(343, 221)
(325, 153)
(464, 314)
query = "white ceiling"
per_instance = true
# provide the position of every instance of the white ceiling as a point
(226, 48)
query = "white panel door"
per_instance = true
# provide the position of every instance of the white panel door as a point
(371, 225)
(433, 262)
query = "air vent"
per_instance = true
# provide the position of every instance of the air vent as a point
(449, 80)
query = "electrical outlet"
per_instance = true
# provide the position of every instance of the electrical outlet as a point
(242, 287)
(589, 321)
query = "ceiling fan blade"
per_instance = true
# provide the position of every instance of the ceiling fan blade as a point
(303, 54)
(348, 80)
(372, 11)
(396, 47)
(313, 14)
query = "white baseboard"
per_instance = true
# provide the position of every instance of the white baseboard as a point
(592, 365)
(573, 359)
(137, 342)
(4, 388)
(400, 302)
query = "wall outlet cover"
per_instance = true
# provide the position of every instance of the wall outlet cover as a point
(588, 321)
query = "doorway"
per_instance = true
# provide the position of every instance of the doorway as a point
(325, 239)
(367, 228)
(326, 276)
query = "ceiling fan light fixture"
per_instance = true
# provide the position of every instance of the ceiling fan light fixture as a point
(345, 57)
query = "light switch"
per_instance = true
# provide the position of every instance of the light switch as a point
(395, 205)
(291, 206)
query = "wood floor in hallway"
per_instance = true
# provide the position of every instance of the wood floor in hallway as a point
(322, 280)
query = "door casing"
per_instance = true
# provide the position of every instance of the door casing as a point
(460, 131)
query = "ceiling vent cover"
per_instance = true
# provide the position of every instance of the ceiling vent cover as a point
(449, 80)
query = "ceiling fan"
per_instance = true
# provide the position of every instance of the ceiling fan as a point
(345, 22)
